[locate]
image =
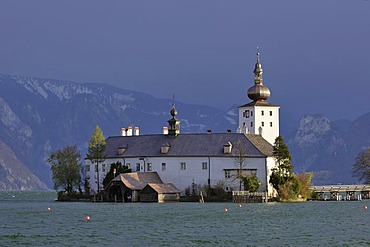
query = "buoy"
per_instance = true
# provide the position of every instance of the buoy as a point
(87, 217)
(49, 209)
(365, 207)
(225, 210)
(239, 205)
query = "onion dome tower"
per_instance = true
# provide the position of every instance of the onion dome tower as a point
(258, 92)
(174, 123)
(259, 117)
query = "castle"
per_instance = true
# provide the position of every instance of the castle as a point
(201, 159)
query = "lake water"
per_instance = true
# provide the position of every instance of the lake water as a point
(26, 221)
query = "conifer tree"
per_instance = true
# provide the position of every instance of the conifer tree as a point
(282, 177)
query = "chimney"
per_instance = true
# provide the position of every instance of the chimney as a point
(129, 131)
(228, 131)
(238, 130)
(209, 131)
(165, 130)
(136, 131)
(123, 131)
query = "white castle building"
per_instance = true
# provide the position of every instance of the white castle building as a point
(201, 159)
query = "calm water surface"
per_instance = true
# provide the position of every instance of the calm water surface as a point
(26, 221)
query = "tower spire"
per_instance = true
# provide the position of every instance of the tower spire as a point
(174, 123)
(258, 92)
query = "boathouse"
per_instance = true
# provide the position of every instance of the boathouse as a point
(126, 187)
(160, 193)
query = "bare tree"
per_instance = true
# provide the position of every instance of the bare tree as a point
(361, 168)
(240, 150)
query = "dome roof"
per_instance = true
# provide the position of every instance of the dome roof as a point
(173, 111)
(258, 92)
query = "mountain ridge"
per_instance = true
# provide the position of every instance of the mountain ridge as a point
(38, 116)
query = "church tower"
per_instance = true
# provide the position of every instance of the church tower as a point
(174, 123)
(259, 116)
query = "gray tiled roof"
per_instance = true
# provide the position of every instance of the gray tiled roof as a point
(259, 103)
(188, 145)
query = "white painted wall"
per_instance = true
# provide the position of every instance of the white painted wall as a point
(194, 171)
(255, 119)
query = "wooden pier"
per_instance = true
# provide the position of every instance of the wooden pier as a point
(342, 192)
(249, 197)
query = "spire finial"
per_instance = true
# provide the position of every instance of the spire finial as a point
(258, 54)
(173, 100)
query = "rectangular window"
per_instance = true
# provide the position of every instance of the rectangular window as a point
(137, 167)
(204, 165)
(87, 168)
(251, 113)
(251, 124)
(263, 124)
(251, 172)
(270, 124)
(270, 113)
(246, 113)
(262, 113)
(149, 167)
(163, 166)
(183, 166)
(227, 174)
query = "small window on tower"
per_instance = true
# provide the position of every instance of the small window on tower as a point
(247, 113)
(270, 124)
(262, 113)
(270, 113)
(251, 113)
(263, 124)
(251, 124)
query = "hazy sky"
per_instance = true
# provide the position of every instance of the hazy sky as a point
(315, 54)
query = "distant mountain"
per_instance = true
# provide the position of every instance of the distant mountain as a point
(38, 116)
(329, 148)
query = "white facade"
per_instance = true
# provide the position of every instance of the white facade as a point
(186, 172)
(261, 120)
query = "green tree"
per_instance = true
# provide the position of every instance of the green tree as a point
(66, 169)
(282, 176)
(251, 183)
(304, 180)
(361, 169)
(118, 168)
(96, 150)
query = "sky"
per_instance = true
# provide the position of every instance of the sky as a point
(315, 54)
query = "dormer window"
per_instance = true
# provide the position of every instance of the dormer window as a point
(165, 148)
(227, 148)
(122, 149)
